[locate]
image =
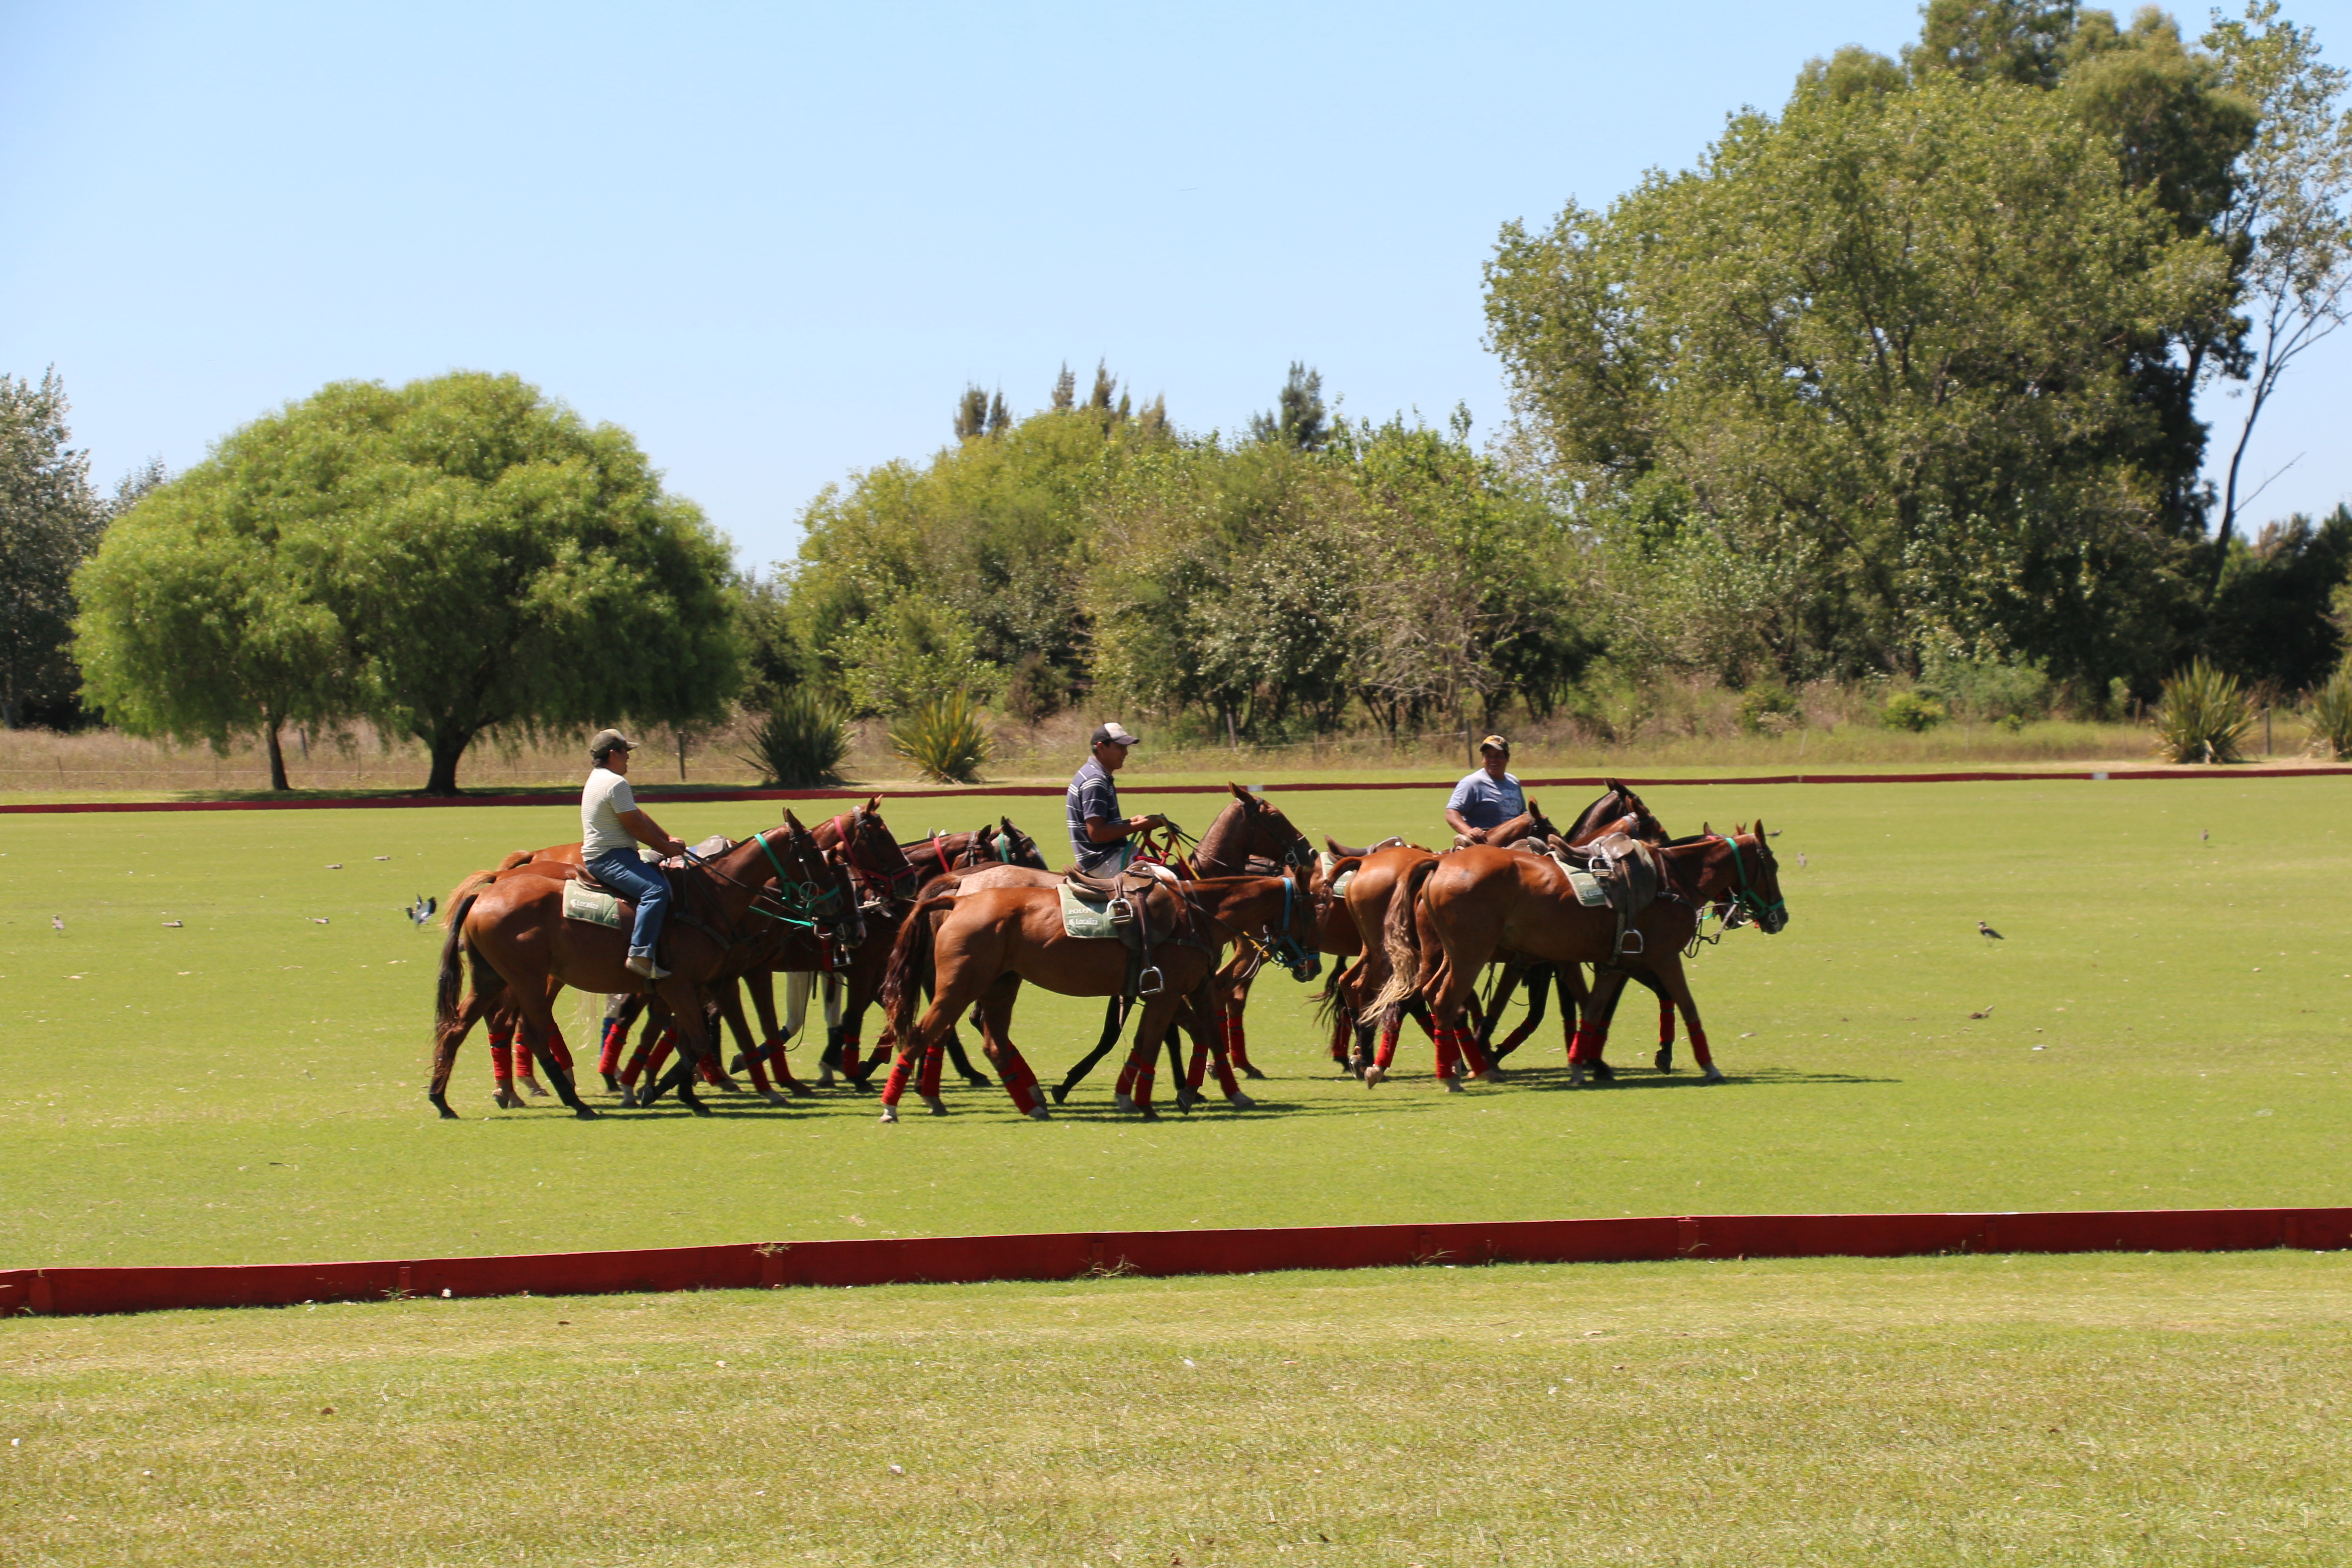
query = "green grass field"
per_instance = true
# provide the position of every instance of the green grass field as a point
(2077, 1410)
(247, 1087)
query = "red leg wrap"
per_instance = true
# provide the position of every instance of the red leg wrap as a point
(501, 1063)
(1699, 1047)
(1237, 1038)
(933, 1059)
(896, 1084)
(1225, 1077)
(662, 1049)
(1472, 1053)
(1127, 1074)
(1665, 1023)
(1138, 1081)
(849, 1058)
(557, 1049)
(1015, 1073)
(1448, 1048)
(1387, 1051)
(1197, 1069)
(707, 1071)
(615, 1037)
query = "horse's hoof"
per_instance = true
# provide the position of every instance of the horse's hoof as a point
(939, 1106)
(1039, 1113)
(583, 1113)
(1664, 1060)
(738, 1064)
(1603, 1073)
(1372, 1076)
(1494, 1073)
(1061, 1093)
(1122, 1102)
(1575, 1078)
(1453, 1085)
(979, 1080)
(889, 1114)
(1186, 1099)
(1249, 1071)
(1149, 1114)
(778, 1097)
(826, 1079)
(611, 1084)
(1241, 1102)
(1713, 1074)
(629, 1098)
(442, 1106)
(801, 1090)
(532, 1084)
(507, 1099)
(697, 1108)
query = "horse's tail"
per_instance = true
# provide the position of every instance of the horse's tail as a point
(1401, 940)
(910, 961)
(1328, 1002)
(453, 949)
(463, 892)
(518, 858)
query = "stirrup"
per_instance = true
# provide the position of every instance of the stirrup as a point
(1149, 981)
(1122, 912)
(1633, 952)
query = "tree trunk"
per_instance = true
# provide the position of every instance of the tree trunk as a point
(447, 746)
(277, 760)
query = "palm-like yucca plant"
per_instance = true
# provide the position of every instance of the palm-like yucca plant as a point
(801, 743)
(2202, 715)
(2329, 713)
(943, 737)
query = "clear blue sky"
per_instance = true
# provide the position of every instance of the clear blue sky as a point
(776, 241)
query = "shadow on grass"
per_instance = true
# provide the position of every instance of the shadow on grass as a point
(1556, 1078)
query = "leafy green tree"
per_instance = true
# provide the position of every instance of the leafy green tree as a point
(972, 414)
(1297, 419)
(1868, 349)
(2286, 218)
(49, 522)
(199, 619)
(2270, 621)
(2021, 42)
(477, 556)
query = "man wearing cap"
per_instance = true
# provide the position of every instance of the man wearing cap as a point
(1098, 834)
(612, 826)
(1488, 798)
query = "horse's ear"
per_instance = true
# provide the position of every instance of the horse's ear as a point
(793, 822)
(1704, 831)
(874, 806)
(1239, 793)
(1759, 830)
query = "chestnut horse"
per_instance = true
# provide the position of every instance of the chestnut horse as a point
(1451, 915)
(512, 925)
(977, 946)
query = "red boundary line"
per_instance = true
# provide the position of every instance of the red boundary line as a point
(363, 802)
(1070, 1255)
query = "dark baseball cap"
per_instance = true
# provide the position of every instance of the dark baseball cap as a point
(1495, 743)
(610, 741)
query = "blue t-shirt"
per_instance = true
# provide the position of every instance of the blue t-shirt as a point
(1486, 801)
(1093, 794)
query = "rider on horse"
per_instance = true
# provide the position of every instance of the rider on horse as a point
(612, 826)
(1098, 833)
(1488, 798)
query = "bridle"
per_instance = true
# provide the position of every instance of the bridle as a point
(796, 901)
(849, 827)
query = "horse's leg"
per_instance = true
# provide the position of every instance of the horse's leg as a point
(1114, 1021)
(1593, 1031)
(1599, 1065)
(1152, 1026)
(621, 1010)
(1192, 1016)
(688, 1027)
(1506, 985)
(1232, 1002)
(1669, 971)
(730, 1009)
(445, 1041)
(1540, 979)
(761, 984)
(538, 1022)
(972, 1075)
(1665, 1060)
(996, 1039)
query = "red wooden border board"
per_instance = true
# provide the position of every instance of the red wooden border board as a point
(1068, 1254)
(1139, 786)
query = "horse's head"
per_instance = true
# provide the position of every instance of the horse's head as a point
(1271, 835)
(1294, 932)
(1754, 878)
(1015, 847)
(873, 854)
(812, 885)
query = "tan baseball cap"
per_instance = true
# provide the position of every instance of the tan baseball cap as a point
(1114, 732)
(610, 741)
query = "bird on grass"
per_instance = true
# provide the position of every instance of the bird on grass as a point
(423, 910)
(1991, 932)
(57, 922)
(1985, 1013)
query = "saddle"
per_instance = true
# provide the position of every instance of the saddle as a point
(1121, 908)
(1626, 873)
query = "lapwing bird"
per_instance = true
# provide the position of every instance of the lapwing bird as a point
(1991, 932)
(57, 922)
(423, 910)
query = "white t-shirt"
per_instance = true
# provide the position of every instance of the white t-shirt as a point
(601, 804)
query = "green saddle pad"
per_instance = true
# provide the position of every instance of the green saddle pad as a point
(1084, 917)
(583, 903)
(1589, 890)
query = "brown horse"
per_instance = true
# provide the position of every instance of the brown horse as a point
(977, 946)
(1450, 916)
(512, 925)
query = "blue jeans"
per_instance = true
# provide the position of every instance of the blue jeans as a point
(642, 884)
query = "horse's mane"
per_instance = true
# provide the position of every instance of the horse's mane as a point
(1218, 845)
